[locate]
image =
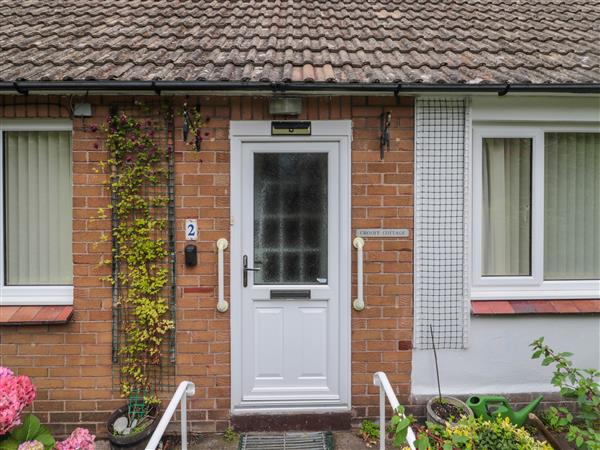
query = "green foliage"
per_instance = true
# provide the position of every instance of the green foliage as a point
(229, 435)
(30, 430)
(477, 433)
(579, 384)
(557, 419)
(399, 424)
(369, 432)
(136, 171)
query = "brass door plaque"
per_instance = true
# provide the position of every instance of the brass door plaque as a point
(290, 128)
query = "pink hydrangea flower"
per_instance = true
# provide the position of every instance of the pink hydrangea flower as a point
(31, 445)
(16, 393)
(80, 439)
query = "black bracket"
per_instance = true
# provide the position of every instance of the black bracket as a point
(397, 93)
(185, 128)
(20, 89)
(504, 91)
(156, 89)
(113, 110)
(384, 139)
(278, 86)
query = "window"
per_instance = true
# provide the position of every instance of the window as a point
(536, 212)
(36, 186)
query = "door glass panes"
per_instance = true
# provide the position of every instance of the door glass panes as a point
(506, 220)
(290, 218)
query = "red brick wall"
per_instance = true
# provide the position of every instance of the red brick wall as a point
(71, 364)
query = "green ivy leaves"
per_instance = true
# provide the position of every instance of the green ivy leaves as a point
(137, 180)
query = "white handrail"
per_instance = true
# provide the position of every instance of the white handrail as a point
(385, 389)
(222, 304)
(185, 389)
(359, 303)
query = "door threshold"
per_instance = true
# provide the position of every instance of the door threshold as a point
(288, 409)
(298, 421)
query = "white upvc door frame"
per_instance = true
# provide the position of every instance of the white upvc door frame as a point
(340, 132)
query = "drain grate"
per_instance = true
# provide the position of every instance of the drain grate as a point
(287, 441)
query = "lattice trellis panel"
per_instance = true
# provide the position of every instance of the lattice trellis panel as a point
(158, 116)
(441, 223)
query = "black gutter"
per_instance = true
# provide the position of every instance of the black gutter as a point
(158, 87)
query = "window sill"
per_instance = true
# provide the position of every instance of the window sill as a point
(35, 315)
(521, 307)
(36, 295)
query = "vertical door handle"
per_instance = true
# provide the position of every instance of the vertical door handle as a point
(359, 303)
(247, 269)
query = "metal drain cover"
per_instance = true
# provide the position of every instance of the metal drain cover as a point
(287, 441)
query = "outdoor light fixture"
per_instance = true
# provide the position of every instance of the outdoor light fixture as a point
(82, 110)
(191, 255)
(288, 106)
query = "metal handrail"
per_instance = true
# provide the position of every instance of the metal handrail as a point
(185, 389)
(222, 304)
(385, 389)
(359, 302)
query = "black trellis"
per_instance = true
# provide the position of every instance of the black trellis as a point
(162, 375)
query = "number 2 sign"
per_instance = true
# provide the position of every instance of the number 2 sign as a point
(191, 229)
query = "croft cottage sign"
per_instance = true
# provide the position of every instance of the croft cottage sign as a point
(382, 232)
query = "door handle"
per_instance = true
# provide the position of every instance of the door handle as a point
(247, 269)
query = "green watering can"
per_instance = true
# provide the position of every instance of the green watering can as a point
(492, 406)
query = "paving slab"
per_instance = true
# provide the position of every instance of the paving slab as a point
(344, 440)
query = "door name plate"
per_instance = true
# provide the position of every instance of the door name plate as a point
(382, 232)
(288, 127)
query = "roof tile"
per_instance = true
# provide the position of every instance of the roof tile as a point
(426, 41)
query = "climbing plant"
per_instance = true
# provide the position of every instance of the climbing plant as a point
(137, 174)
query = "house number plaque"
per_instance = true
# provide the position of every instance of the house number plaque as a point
(382, 232)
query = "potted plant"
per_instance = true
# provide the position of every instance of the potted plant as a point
(444, 410)
(136, 172)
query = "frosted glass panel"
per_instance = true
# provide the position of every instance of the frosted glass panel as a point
(290, 218)
(506, 242)
(572, 206)
(38, 208)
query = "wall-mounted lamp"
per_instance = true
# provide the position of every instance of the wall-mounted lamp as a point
(287, 106)
(82, 110)
(191, 255)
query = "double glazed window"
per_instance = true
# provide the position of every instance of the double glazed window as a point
(36, 216)
(536, 212)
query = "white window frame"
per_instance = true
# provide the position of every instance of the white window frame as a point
(28, 295)
(521, 287)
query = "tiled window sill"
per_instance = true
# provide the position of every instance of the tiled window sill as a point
(35, 315)
(519, 307)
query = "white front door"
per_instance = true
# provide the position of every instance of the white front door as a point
(288, 273)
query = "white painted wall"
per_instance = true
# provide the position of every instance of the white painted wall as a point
(498, 359)
(538, 109)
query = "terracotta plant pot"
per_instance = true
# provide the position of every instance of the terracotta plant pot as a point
(433, 417)
(135, 441)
